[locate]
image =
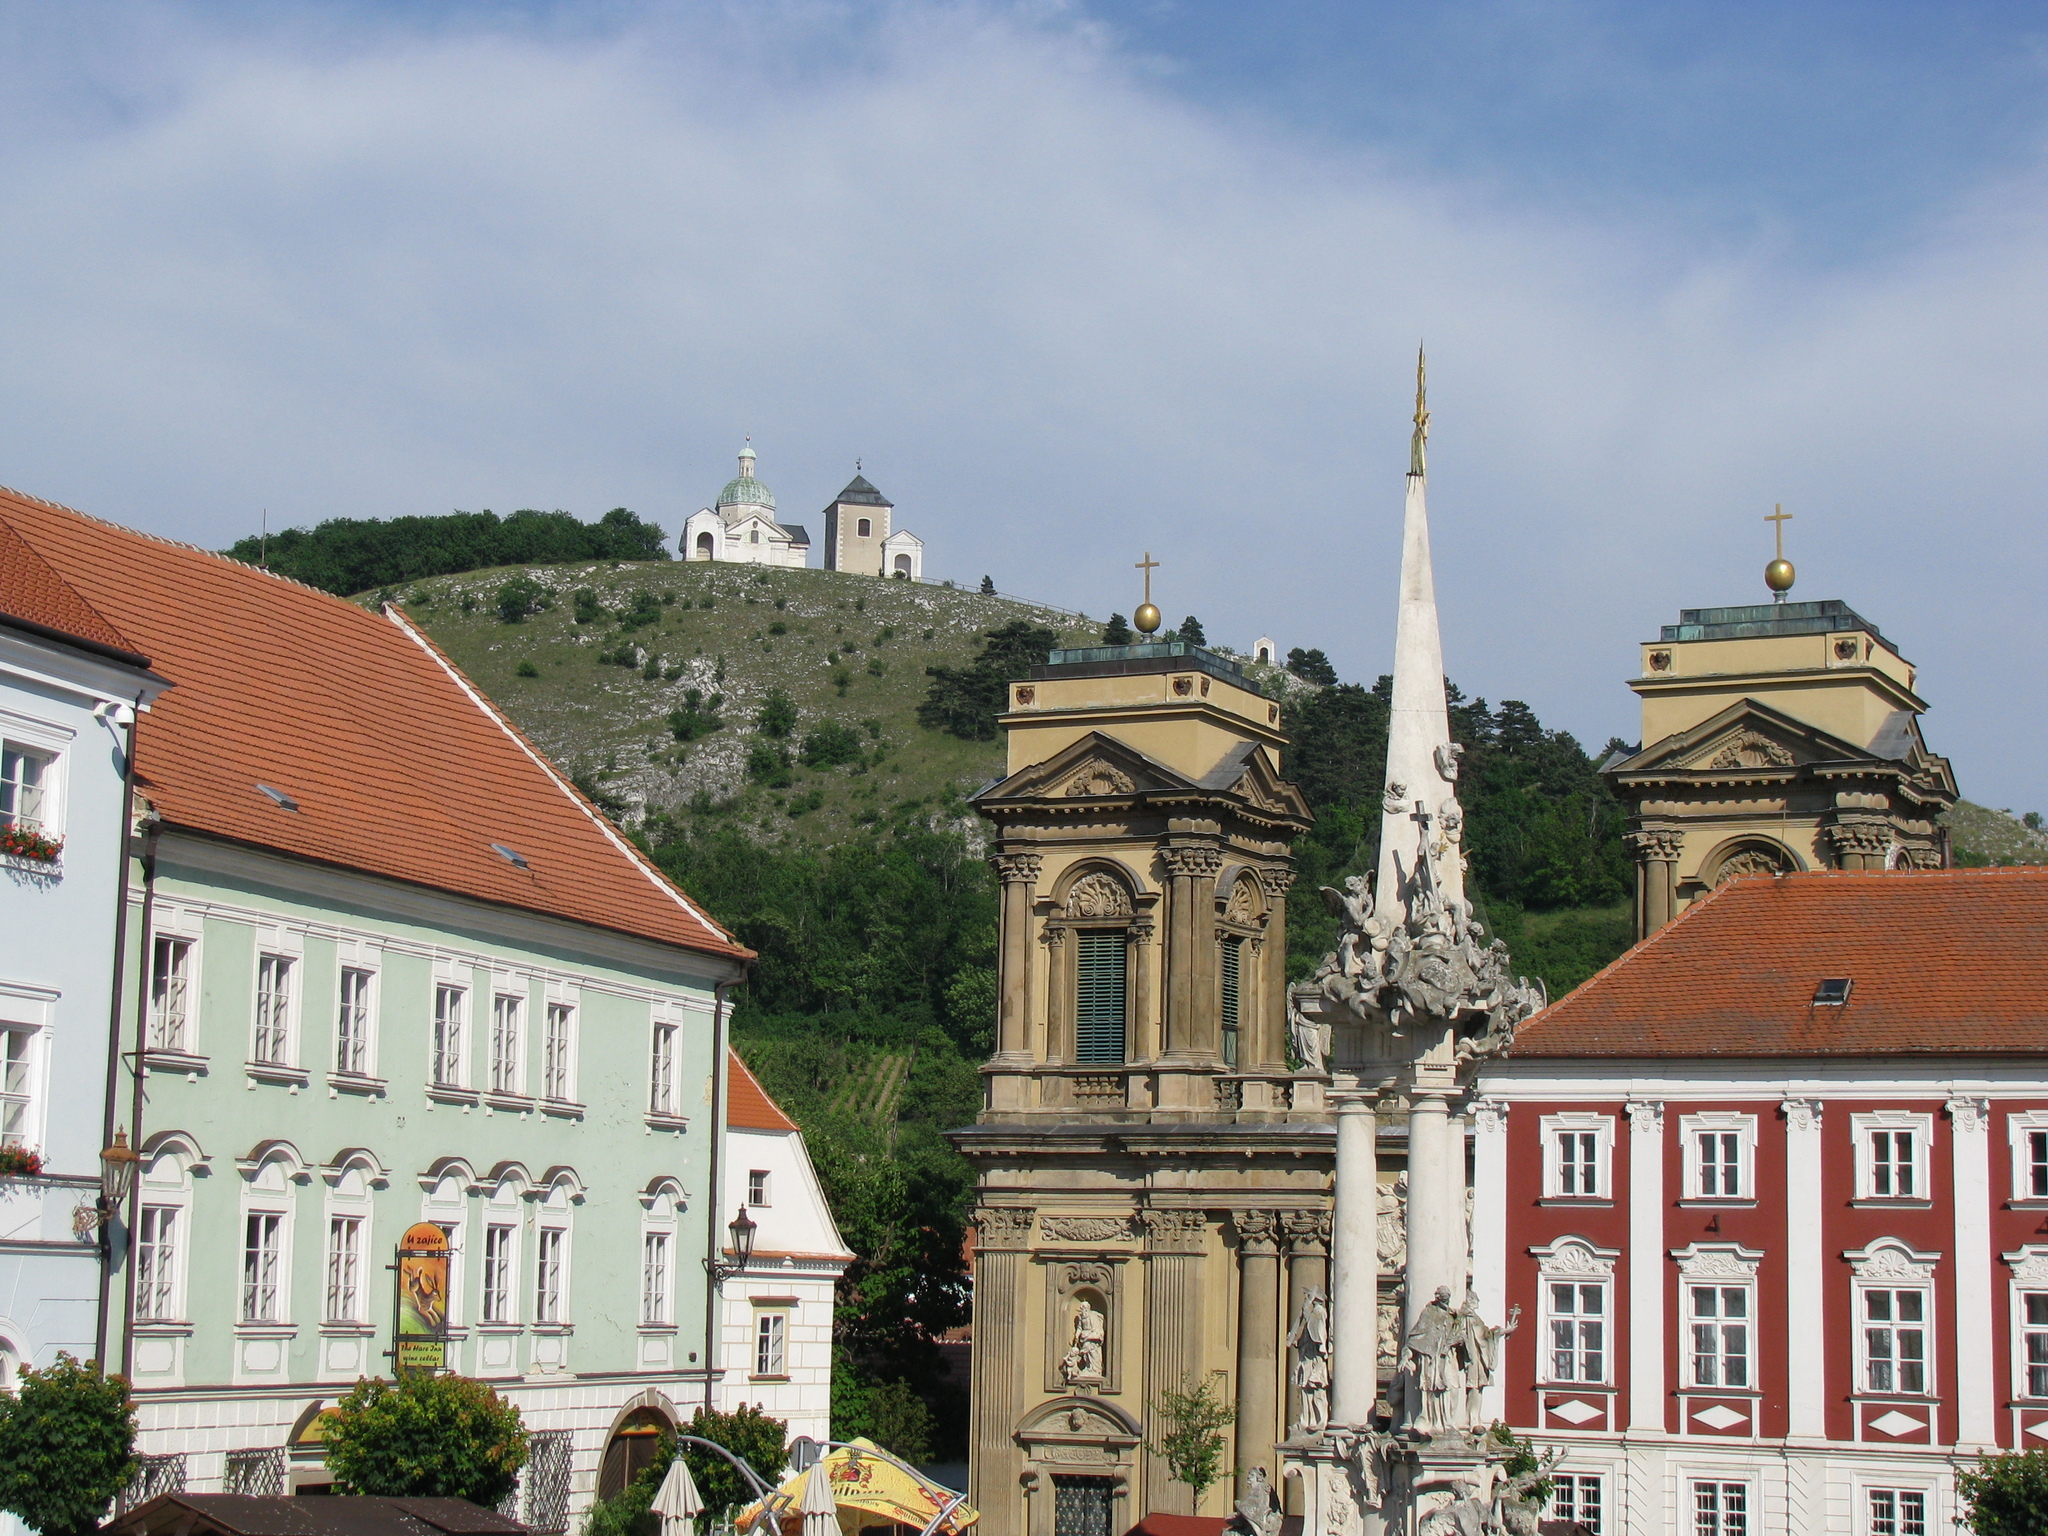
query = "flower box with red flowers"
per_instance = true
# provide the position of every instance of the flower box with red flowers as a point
(20, 1163)
(27, 843)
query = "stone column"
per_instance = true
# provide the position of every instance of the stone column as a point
(1272, 1043)
(1354, 1262)
(1258, 1343)
(1019, 874)
(1173, 1355)
(1190, 932)
(1656, 850)
(1436, 1204)
(1002, 1234)
(1143, 1040)
(1308, 1268)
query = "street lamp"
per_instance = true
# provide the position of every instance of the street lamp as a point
(117, 1175)
(742, 1227)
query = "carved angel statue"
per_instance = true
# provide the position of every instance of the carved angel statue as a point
(1392, 1202)
(1353, 909)
(1432, 1357)
(1310, 1340)
(1257, 1512)
(1309, 1037)
(1447, 757)
(1083, 1359)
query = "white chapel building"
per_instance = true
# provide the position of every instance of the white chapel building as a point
(742, 527)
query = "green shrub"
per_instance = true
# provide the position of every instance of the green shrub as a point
(67, 1441)
(778, 713)
(644, 609)
(778, 628)
(426, 1437)
(698, 716)
(519, 597)
(588, 609)
(2006, 1495)
(769, 764)
(830, 744)
(527, 669)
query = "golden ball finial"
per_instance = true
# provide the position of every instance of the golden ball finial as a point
(1778, 575)
(1146, 619)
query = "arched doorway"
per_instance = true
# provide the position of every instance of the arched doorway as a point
(631, 1449)
(903, 567)
(704, 546)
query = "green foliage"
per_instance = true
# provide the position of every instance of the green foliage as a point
(1117, 631)
(588, 609)
(971, 1008)
(526, 669)
(520, 596)
(890, 1413)
(749, 1434)
(769, 764)
(1188, 1427)
(988, 586)
(347, 555)
(2005, 1495)
(778, 715)
(432, 1437)
(698, 716)
(1523, 1460)
(965, 701)
(1191, 631)
(830, 744)
(588, 778)
(644, 609)
(67, 1440)
(1311, 667)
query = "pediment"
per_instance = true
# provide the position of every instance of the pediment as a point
(1255, 781)
(1088, 1418)
(1097, 767)
(1748, 736)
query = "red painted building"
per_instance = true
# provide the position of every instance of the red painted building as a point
(1771, 1192)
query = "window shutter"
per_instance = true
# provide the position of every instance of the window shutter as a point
(1233, 952)
(1099, 996)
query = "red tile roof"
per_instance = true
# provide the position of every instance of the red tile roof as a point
(32, 592)
(1954, 961)
(747, 1103)
(398, 766)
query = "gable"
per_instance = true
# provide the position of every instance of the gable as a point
(1746, 736)
(1093, 768)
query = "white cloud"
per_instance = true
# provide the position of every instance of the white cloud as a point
(1063, 316)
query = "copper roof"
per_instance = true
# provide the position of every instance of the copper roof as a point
(394, 763)
(1950, 961)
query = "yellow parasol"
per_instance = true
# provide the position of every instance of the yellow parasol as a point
(870, 1491)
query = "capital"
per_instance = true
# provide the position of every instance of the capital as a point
(1657, 845)
(1489, 1116)
(1801, 1114)
(1018, 868)
(1971, 1115)
(1258, 1232)
(1195, 863)
(1645, 1115)
(1173, 1230)
(1308, 1232)
(1003, 1226)
(1276, 883)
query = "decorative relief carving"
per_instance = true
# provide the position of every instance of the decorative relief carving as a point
(1890, 1259)
(1276, 883)
(1657, 845)
(1752, 861)
(1183, 686)
(1660, 661)
(1395, 801)
(1097, 778)
(1972, 1116)
(1865, 837)
(1489, 1115)
(1174, 1231)
(1003, 1226)
(1645, 1115)
(1026, 694)
(1085, 1229)
(1098, 895)
(1801, 1114)
(1390, 1228)
(1021, 867)
(1749, 750)
(2029, 1264)
(1569, 1257)
(1258, 1232)
(1728, 1261)
(1242, 908)
(1308, 1232)
(1191, 862)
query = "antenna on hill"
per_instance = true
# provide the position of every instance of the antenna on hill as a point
(263, 543)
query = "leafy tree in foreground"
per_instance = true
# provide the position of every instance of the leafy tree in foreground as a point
(2006, 1495)
(445, 1437)
(965, 701)
(67, 1443)
(749, 1434)
(1189, 1432)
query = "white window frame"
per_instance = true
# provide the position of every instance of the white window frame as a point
(1574, 1261)
(760, 1188)
(449, 1210)
(184, 994)
(551, 1275)
(499, 1292)
(281, 1019)
(252, 1307)
(448, 1041)
(165, 1179)
(159, 1259)
(1721, 1484)
(1555, 1173)
(664, 1067)
(48, 747)
(366, 1007)
(343, 1279)
(1897, 1521)
(657, 1276)
(1567, 1501)
(2020, 1129)
(1865, 1126)
(508, 1042)
(22, 1077)
(1889, 1264)
(2029, 1278)
(1723, 1266)
(558, 1051)
(770, 1333)
(1719, 1124)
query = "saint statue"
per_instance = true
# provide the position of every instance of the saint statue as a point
(1257, 1512)
(1310, 1342)
(1480, 1346)
(1083, 1359)
(1433, 1360)
(1311, 1040)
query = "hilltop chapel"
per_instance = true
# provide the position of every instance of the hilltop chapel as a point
(743, 527)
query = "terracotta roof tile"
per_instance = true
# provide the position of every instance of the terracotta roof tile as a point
(398, 765)
(31, 589)
(1954, 961)
(747, 1103)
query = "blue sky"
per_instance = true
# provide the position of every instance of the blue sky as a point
(1081, 280)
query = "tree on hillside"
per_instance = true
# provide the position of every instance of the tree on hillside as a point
(1191, 631)
(1117, 631)
(348, 555)
(965, 701)
(426, 1437)
(988, 586)
(521, 596)
(778, 714)
(67, 1440)
(1311, 667)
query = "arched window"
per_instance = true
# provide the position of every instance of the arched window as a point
(704, 546)
(631, 1449)
(1240, 925)
(865, 528)
(1091, 934)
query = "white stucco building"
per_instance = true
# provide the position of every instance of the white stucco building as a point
(742, 527)
(776, 1348)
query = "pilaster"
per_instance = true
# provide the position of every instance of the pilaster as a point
(1976, 1302)
(1308, 1269)
(1646, 1408)
(1258, 1343)
(1490, 1218)
(1002, 1233)
(1174, 1242)
(1805, 1267)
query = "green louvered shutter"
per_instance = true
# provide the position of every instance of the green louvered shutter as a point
(1099, 997)
(1233, 953)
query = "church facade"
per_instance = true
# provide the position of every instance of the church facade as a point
(742, 527)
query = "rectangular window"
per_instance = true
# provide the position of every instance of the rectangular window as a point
(156, 1264)
(1720, 1509)
(1578, 1331)
(661, 1071)
(757, 1186)
(24, 793)
(654, 1277)
(345, 1269)
(352, 1023)
(1100, 972)
(273, 1009)
(770, 1337)
(169, 993)
(555, 1082)
(2034, 1338)
(1576, 1497)
(17, 1081)
(1891, 1165)
(1719, 1317)
(2037, 1165)
(1898, 1512)
(506, 1046)
(1720, 1164)
(262, 1256)
(1895, 1340)
(449, 1004)
(1233, 969)
(1578, 1163)
(498, 1274)
(547, 1275)
(451, 1236)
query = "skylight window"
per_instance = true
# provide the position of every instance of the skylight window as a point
(280, 797)
(511, 856)
(1833, 991)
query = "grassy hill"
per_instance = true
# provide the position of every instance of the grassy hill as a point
(849, 651)
(1983, 836)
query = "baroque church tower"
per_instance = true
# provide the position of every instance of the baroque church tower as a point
(1153, 1175)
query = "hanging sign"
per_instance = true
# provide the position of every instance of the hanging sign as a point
(422, 1331)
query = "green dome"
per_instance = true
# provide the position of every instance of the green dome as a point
(746, 492)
